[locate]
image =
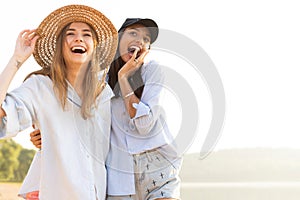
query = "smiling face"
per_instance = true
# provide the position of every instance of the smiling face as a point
(78, 44)
(134, 37)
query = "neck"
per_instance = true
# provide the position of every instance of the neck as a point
(75, 76)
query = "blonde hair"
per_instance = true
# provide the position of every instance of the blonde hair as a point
(91, 87)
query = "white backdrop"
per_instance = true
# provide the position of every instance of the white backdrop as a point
(255, 46)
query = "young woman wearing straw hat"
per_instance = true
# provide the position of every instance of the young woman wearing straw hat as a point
(142, 162)
(68, 100)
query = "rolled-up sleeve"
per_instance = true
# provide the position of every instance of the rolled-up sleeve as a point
(148, 109)
(18, 107)
(17, 117)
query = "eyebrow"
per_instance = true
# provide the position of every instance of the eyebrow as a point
(83, 30)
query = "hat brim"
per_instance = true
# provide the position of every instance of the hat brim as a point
(52, 25)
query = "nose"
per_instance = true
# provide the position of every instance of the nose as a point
(78, 38)
(140, 41)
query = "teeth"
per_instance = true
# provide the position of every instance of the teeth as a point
(133, 48)
(78, 48)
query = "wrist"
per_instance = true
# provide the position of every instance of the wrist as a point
(128, 95)
(122, 76)
(15, 62)
(18, 64)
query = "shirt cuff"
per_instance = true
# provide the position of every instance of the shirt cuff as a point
(16, 119)
(141, 109)
(9, 126)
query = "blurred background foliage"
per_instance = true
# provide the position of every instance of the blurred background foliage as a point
(14, 161)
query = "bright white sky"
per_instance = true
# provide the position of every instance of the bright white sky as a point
(255, 46)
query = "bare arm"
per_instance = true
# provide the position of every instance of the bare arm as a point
(24, 48)
(127, 92)
(6, 77)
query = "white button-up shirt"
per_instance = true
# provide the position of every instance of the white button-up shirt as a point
(72, 161)
(147, 130)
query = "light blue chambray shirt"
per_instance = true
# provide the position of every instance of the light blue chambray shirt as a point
(147, 130)
(71, 164)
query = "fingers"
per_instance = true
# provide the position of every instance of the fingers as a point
(36, 142)
(32, 37)
(39, 146)
(134, 55)
(35, 132)
(34, 41)
(35, 138)
(27, 33)
(21, 35)
(133, 59)
(140, 59)
(143, 55)
(24, 46)
(32, 34)
(29, 37)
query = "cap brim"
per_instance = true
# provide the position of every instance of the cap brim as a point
(149, 23)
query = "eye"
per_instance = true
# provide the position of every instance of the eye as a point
(147, 40)
(133, 33)
(70, 33)
(88, 34)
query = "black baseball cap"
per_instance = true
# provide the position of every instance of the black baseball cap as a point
(149, 23)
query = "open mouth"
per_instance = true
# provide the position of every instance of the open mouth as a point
(80, 50)
(132, 49)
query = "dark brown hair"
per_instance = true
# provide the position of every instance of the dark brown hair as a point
(135, 81)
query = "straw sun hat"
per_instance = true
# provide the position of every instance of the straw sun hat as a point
(53, 24)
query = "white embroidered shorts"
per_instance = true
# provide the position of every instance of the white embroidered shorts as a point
(155, 177)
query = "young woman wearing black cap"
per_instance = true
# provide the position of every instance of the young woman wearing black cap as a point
(142, 162)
